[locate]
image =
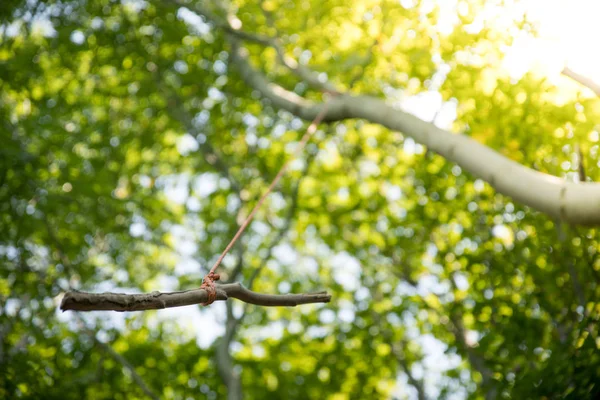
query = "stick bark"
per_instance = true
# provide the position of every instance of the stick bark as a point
(82, 301)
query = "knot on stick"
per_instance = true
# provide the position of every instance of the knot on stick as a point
(208, 284)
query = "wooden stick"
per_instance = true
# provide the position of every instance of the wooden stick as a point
(82, 301)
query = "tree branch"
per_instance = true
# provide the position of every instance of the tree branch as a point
(401, 359)
(364, 64)
(127, 365)
(398, 353)
(478, 362)
(585, 81)
(81, 301)
(224, 25)
(224, 360)
(575, 203)
(178, 111)
(309, 76)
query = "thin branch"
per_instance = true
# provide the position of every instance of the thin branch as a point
(179, 112)
(59, 248)
(309, 76)
(398, 352)
(580, 163)
(222, 24)
(585, 81)
(578, 289)
(312, 78)
(418, 384)
(363, 64)
(477, 361)
(127, 365)
(82, 301)
(224, 359)
(120, 359)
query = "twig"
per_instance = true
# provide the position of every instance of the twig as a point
(82, 301)
(221, 23)
(397, 349)
(578, 289)
(224, 360)
(363, 64)
(581, 163)
(477, 361)
(127, 365)
(118, 358)
(311, 77)
(179, 112)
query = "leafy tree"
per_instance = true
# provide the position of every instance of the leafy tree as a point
(136, 135)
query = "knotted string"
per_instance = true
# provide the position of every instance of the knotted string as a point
(208, 283)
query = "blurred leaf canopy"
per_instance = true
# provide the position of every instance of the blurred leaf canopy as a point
(130, 148)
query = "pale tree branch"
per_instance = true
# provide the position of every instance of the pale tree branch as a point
(82, 301)
(585, 81)
(306, 74)
(575, 203)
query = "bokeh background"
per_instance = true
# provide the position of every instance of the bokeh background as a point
(131, 149)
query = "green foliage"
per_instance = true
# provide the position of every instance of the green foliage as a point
(130, 148)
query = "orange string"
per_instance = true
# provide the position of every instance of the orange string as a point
(208, 282)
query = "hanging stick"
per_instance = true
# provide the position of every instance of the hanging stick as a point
(208, 281)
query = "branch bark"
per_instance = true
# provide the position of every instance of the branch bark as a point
(587, 82)
(575, 203)
(82, 301)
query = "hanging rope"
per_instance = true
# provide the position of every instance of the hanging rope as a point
(208, 283)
